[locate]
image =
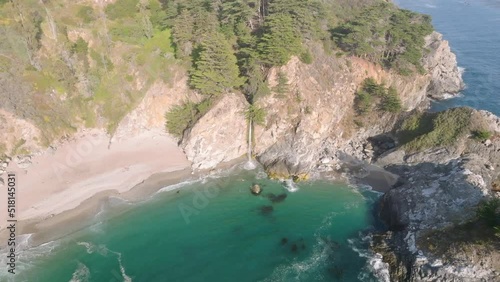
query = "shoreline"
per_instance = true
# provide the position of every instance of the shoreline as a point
(72, 181)
(45, 230)
(81, 211)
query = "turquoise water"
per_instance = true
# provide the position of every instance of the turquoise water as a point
(216, 230)
(473, 29)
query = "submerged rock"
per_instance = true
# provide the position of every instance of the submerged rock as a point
(266, 210)
(255, 189)
(276, 198)
(284, 241)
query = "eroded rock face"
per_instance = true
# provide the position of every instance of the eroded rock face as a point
(220, 135)
(441, 63)
(315, 120)
(441, 188)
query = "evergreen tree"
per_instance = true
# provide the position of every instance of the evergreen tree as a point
(256, 84)
(182, 33)
(215, 70)
(280, 40)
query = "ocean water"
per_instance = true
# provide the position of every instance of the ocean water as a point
(473, 29)
(216, 230)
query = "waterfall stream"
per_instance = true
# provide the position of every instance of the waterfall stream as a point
(249, 164)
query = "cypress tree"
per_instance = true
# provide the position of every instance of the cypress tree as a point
(215, 70)
(280, 40)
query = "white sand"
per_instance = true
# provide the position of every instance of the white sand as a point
(61, 180)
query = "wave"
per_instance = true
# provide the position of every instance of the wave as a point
(26, 255)
(290, 185)
(374, 264)
(104, 251)
(178, 185)
(81, 274)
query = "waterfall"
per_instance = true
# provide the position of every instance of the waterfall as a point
(249, 153)
(249, 165)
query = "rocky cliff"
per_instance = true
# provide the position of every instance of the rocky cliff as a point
(441, 63)
(431, 213)
(316, 119)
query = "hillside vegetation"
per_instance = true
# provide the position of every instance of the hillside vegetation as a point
(68, 65)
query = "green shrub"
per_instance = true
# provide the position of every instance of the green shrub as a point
(86, 13)
(80, 47)
(489, 212)
(481, 135)
(363, 102)
(179, 118)
(255, 114)
(424, 131)
(372, 93)
(129, 32)
(282, 86)
(183, 116)
(122, 9)
(306, 57)
(307, 110)
(391, 102)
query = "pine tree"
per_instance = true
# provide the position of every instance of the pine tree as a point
(215, 70)
(280, 40)
(182, 33)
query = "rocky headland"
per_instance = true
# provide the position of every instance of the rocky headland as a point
(438, 183)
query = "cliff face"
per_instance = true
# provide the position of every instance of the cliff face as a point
(440, 189)
(441, 64)
(315, 118)
(220, 135)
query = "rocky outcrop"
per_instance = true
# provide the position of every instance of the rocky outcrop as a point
(438, 191)
(255, 189)
(220, 135)
(441, 63)
(150, 113)
(316, 119)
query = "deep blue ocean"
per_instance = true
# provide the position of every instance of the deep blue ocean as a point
(214, 229)
(473, 29)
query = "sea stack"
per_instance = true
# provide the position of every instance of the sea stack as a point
(256, 190)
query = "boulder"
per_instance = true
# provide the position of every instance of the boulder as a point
(255, 189)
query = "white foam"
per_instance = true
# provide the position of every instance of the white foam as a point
(26, 255)
(249, 165)
(290, 185)
(126, 278)
(178, 185)
(104, 251)
(374, 264)
(261, 175)
(81, 274)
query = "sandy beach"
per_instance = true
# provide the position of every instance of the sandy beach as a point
(71, 180)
